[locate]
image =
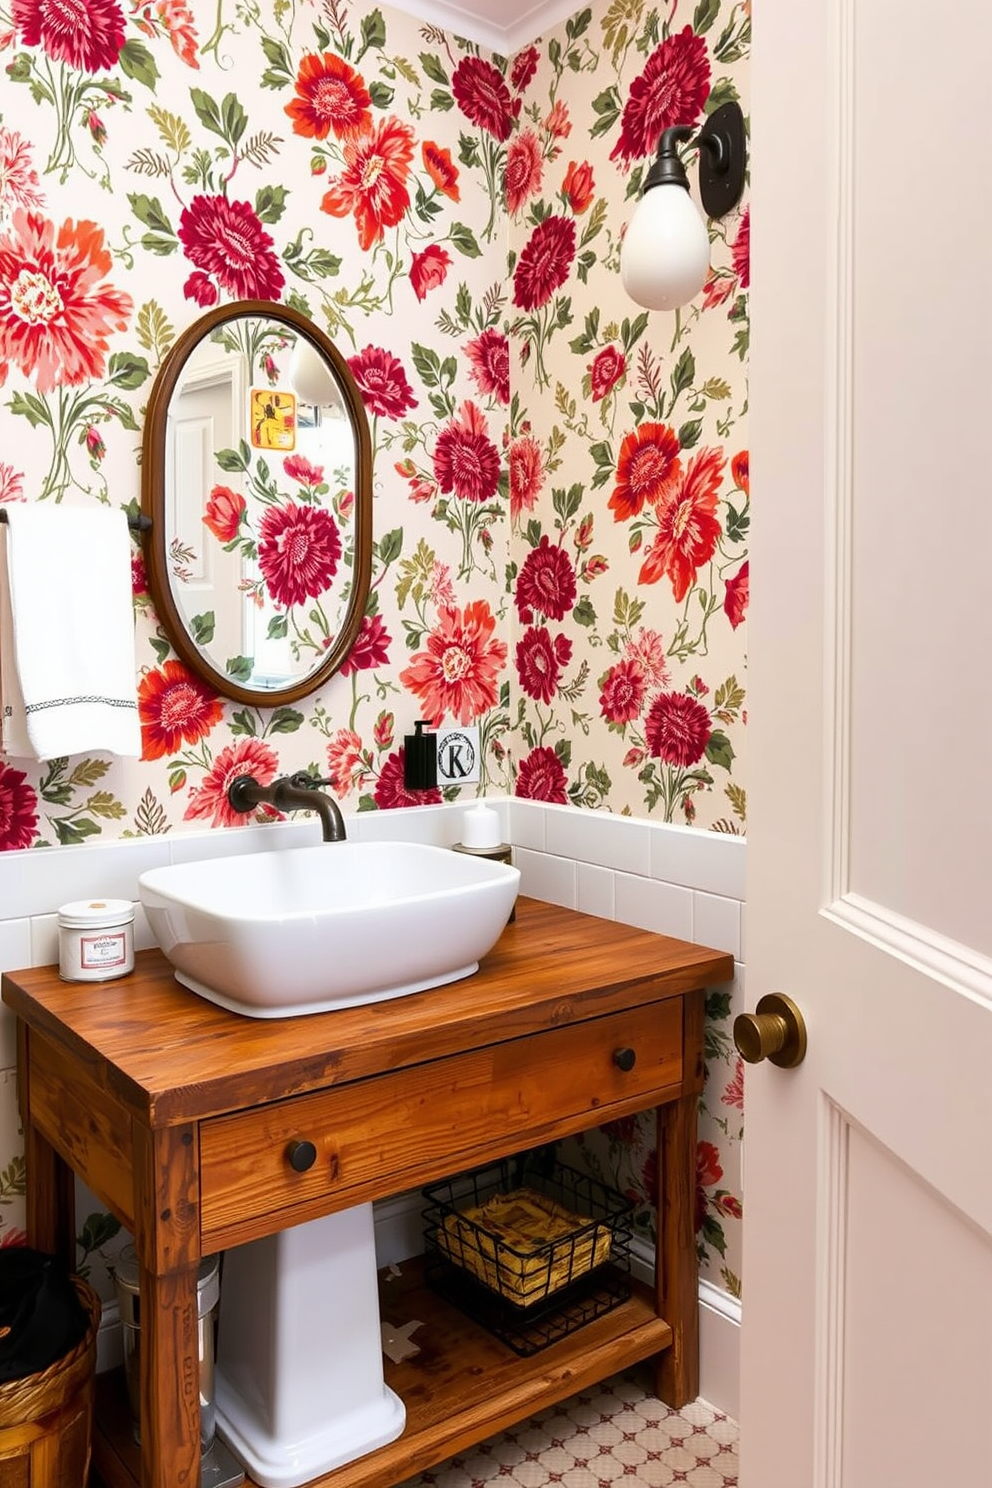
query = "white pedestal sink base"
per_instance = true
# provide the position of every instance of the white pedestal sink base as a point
(300, 1388)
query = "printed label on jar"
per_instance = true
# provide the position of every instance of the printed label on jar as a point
(102, 950)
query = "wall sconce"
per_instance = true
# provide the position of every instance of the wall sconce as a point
(665, 255)
(311, 378)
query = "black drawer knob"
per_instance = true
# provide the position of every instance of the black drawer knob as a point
(301, 1155)
(624, 1059)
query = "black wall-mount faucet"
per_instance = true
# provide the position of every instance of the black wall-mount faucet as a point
(298, 792)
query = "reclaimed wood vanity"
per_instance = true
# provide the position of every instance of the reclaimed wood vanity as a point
(180, 1116)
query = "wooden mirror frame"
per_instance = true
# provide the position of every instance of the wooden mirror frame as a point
(153, 498)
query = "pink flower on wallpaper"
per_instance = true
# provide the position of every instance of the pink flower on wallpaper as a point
(429, 269)
(546, 582)
(526, 474)
(223, 512)
(708, 1173)
(741, 251)
(671, 90)
(301, 470)
(648, 649)
(605, 371)
(175, 19)
(19, 184)
(648, 469)
(688, 527)
(390, 792)
(208, 801)
(331, 98)
(541, 777)
(441, 169)
(540, 662)
(372, 186)
(733, 1095)
(139, 579)
(677, 729)
(578, 186)
(226, 240)
(524, 169)
(458, 674)
(174, 708)
(489, 354)
(558, 124)
(299, 548)
(524, 67)
(344, 760)
(621, 696)
(56, 309)
(482, 95)
(370, 649)
(201, 289)
(18, 810)
(86, 34)
(738, 592)
(740, 469)
(11, 483)
(466, 461)
(545, 262)
(382, 383)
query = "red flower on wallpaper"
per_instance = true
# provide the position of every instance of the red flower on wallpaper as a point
(733, 1095)
(370, 648)
(578, 186)
(677, 729)
(489, 354)
(86, 34)
(19, 183)
(605, 371)
(482, 95)
(223, 513)
(541, 777)
(526, 474)
(648, 649)
(688, 527)
(331, 97)
(524, 67)
(441, 169)
(18, 810)
(382, 383)
(391, 792)
(671, 90)
(540, 662)
(344, 760)
(175, 708)
(208, 801)
(524, 169)
(139, 579)
(56, 309)
(740, 469)
(298, 468)
(621, 694)
(741, 251)
(738, 592)
(546, 582)
(372, 186)
(176, 20)
(708, 1172)
(465, 459)
(648, 470)
(226, 239)
(201, 289)
(429, 269)
(545, 262)
(299, 548)
(458, 673)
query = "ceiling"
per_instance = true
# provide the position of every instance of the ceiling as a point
(501, 25)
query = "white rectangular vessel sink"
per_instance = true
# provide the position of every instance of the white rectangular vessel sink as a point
(340, 924)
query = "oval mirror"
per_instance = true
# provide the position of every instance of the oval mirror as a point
(257, 480)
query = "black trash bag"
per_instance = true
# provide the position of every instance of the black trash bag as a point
(41, 1316)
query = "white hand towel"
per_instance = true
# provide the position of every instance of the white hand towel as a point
(69, 572)
(14, 739)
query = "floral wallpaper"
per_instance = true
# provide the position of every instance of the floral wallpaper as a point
(561, 479)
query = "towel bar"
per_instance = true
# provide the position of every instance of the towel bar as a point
(139, 523)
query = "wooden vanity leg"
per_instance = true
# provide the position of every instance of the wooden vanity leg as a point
(677, 1275)
(50, 1194)
(167, 1239)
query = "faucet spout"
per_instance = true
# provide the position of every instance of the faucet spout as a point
(289, 793)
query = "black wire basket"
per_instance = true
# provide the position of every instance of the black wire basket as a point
(530, 1251)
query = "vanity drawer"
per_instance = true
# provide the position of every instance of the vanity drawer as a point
(374, 1137)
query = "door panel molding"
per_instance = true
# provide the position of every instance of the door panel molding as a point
(919, 946)
(833, 1161)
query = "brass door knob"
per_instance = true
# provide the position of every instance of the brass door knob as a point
(775, 1030)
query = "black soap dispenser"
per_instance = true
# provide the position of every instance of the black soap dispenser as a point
(420, 758)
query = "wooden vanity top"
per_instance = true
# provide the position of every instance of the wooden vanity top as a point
(172, 1057)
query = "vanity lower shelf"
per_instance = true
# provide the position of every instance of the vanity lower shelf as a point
(462, 1386)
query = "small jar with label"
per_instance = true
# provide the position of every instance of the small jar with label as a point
(96, 939)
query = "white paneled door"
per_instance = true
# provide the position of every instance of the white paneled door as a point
(867, 1313)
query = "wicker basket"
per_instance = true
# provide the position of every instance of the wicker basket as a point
(46, 1418)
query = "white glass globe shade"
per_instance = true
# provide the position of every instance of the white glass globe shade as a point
(310, 378)
(665, 255)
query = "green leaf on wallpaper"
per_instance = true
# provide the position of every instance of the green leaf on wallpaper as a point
(103, 803)
(150, 212)
(567, 503)
(584, 612)
(150, 817)
(464, 240)
(705, 14)
(742, 341)
(373, 31)
(239, 667)
(585, 262)
(737, 524)
(602, 454)
(228, 120)
(259, 149)
(737, 797)
(31, 408)
(719, 750)
(607, 107)
(632, 330)
(563, 750)
(729, 695)
(280, 70)
(234, 460)
(578, 24)
(381, 95)
(712, 1234)
(202, 627)
(433, 69)
(406, 70)
(427, 363)
(174, 130)
(390, 546)
(244, 723)
(723, 91)
(70, 832)
(716, 387)
(689, 433)
(161, 648)
(441, 102)
(270, 202)
(278, 628)
(683, 373)
(532, 532)
(99, 1229)
(127, 371)
(367, 803)
(285, 721)
(626, 611)
(88, 772)
(136, 62)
